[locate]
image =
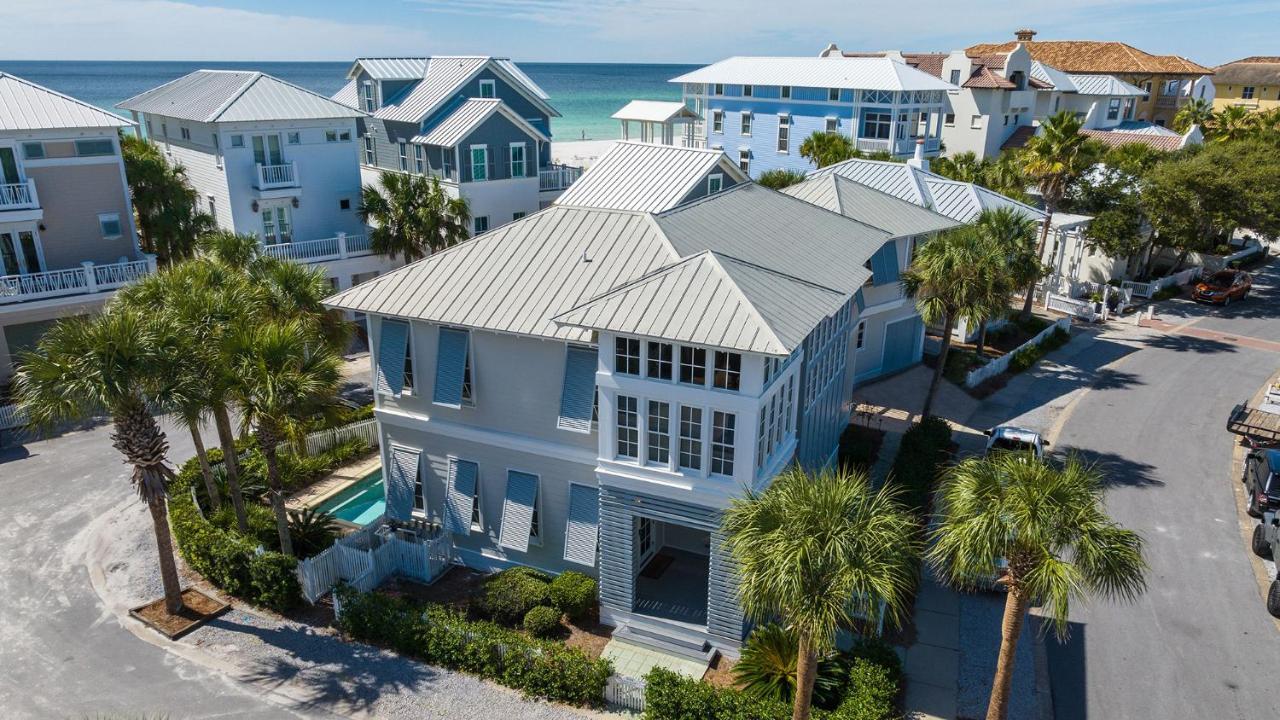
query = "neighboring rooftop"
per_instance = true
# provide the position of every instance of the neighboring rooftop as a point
(25, 105)
(659, 111)
(457, 125)
(856, 73)
(1095, 56)
(1256, 70)
(1158, 141)
(870, 206)
(1108, 85)
(644, 176)
(235, 96)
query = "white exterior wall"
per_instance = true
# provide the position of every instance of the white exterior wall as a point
(1019, 107)
(500, 199)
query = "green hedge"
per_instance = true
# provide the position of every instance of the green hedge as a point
(509, 595)
(442, 636)
(1029, 355)
(925, 448)
(573, 593)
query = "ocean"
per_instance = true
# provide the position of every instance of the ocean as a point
(586, 94)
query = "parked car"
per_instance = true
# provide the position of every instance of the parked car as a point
(1007, 438)
(1223, 286)
(1262, 481)
(1266, 535)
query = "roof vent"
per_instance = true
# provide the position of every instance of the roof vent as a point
(830, 51)
(585, 258)
(1024, 35)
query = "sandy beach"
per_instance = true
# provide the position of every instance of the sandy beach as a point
(579, 153)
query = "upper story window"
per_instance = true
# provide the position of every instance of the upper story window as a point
(419, 160)
(717, 121)
(658, 451)
(746, 123)
(861, 341)
(293, 138)
(480, 224)
(690, 438)
(367, 95)
(877, 125)
(488, 89)
(693, 365)
(626, 356)
(95, 148)
(33, 150)
(784, 133)
(479, 163)
(785, 92)
(747, 91)
(517, 160)
(833, 94)
(723, 428)
(717, 89)
(833, 125)
(955, 77)
(404, 156)
(715, 182)
(728, 370)
(628, 429)
(454, 379)
(744, 161)
(408, 361)
(110, 225)
(660, 361)
(1246, 93)
(369, 157)
(237, 141)
(1113, 109)
(331, 136)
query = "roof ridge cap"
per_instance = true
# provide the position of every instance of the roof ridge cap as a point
(746, 301)
(254, 77)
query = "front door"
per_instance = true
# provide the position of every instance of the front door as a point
(8, 167)
(19, 253)
(266, 150)
(276, 225)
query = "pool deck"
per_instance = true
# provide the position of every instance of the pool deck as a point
(339, 480)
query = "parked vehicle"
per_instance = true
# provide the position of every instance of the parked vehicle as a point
(1223, 286)
(1007, 438)
(1262, 481)
(1266, 534)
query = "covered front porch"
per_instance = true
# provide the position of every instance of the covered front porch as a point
(671, 583)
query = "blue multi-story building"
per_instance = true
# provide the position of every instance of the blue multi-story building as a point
(760, 109)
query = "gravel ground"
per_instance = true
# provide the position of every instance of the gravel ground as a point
(980, 618)
(325, 672)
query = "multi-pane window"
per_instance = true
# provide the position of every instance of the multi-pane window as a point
(93, 148)
(660, 361)
(369, 158)
(728, 371)
(367, 91)
(419, 161)
(833, 94)
(877, 125)
(747, 91)
(714, 183)
(481, 224)
(785, 92)
(419, 493)
(761, 439)
(517, 160)
(862, 335)
(659, 436)
(626, 356)
(744, 161)
(487, 88)
(1246, 93)
(717, 89)
(746, 123)
(1113, 109)
(404, 156)
(628, 427)
(722, 432)
(690, 438)
(477, 523)
(955, 77)
(693, 365)
(479, 163)
(791, 402)
(717, 121)
(784, 133)
(833, 125)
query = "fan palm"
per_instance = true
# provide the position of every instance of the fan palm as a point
(284, 371)
(165, 204)
(125, 363)
(816, 551)
(1234, 122)
(287, 290)
(1012, 235)
(827, 148)
(955, 274)
(964, 167)
(1197, 112)
(412, 215)
(1048, 524)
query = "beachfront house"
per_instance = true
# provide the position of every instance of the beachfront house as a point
(478, 124)
(67, 238)
(587, 388)
(760, 109)
(270, 159)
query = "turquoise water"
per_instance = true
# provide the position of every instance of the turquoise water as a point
(360, 504)
(586, 94)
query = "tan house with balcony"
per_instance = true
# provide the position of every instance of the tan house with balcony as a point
(1252, 82)
(67, 238)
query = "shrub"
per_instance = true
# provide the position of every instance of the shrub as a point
(671, 696)
(879, 652)
(871, 693)
(573, 593)
(859, 446)
(542, 622)
(1024, 358)
(767, 668)
(509, 595)
(925, 447)
(778, 179)
(1056, 339)
(312, 531)
(274, 579)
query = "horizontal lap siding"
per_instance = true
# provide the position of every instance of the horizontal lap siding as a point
(806, 119)
(72, 196)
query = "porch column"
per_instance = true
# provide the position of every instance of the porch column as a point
(342, 246)
(90, 277)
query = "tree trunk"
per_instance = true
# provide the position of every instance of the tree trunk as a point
(230, 461)
(948, 326)
(1044, 239)
(982, 338)
(806, 674)
(210, 486)
(267, 443)
(164, 546)
(1015, 610)
(1182, 258)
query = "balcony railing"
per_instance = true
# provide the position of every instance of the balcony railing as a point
(870, 145)
(1169, 101)
(341, 247)
(558, 177)
(274, 177)
(19, 196)
(84, 280)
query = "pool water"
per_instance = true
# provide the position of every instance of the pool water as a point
(361, 503)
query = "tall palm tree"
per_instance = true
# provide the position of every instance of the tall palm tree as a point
(166, 206)
(964, 167)
(955, 274)
(285, 290)
(828, 148)
(284, 372)
(125, 363)
(817, 550)
(413, 216)
(1049, 525)
(1197, 112)
(1232, 123)
(1053, 159)
(1012, 235)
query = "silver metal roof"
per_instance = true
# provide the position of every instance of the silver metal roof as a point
(236, 96)
(443, 78)
(645, 177)
(1108, 85)
(1046, 73)
(857, 73)
(390, 68)
(514, 71)
(469, 116)
(347, 95)
(868, 205)
(660, 111)
(25, 105)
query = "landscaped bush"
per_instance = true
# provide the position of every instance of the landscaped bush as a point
(573, 593)
(767, 668)
(274, 578)
(295, 472)
(312, 531)
(542, 622)
(859, 446)
(871, 693)
(1024, 358)
(442, 636)
(669, 695)
(925, 447)
(509, 595)
(1172, 291)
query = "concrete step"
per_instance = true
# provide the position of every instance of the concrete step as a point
(675, 643)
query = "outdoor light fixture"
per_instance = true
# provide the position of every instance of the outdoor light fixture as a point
(255, 206)
(295, 203)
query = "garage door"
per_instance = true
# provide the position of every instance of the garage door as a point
(901, 339)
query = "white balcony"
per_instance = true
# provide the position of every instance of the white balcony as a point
(276, 177)
(871, 145)
(340, 247)
(19, 197)
(558, 177)
(84, 280)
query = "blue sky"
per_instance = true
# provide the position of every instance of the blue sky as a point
(610, 30)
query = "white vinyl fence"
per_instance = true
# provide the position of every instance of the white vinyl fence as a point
(1149, 289)
(12, 416)
(1082, 309)
(322, 440)
(368, 557)
(980, 375)
(625, 692)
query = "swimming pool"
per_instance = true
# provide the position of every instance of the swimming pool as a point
(361, 503)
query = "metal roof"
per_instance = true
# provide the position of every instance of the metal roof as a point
(1045, 73)
(716, 300)
(457, 125)
(443, 77)
(654, 111)
(1145, 127)
(347, 95)
(645, 177)
(870, 206)
(857, 73)
(25, 105)
(390, 68)
(514, 71)
(1105, 85)
(236, 96)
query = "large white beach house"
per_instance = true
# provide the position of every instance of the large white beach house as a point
(271, 159)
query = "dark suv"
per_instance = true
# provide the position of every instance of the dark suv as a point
(1262, 481)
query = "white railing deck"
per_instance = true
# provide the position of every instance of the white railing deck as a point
(19, 196)
(84, 280)
(366, 558)
(340, 247)
(271, 177)
(558, 177)
(873, 145)
(1082, 309)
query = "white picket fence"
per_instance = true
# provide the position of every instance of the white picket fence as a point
(322, 440)
(625, 692)
(1082, 309)
(980, 375)
(366, 558)
(1149, 289)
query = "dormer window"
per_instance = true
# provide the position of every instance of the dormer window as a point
(488, 89)
(367, 94)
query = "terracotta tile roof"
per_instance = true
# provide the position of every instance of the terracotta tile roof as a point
(1257, 70)
(1116, 138)
(926, 62)
(995, 61)
(1039, 84)
(1095, 56)
(984, 77)
(1019, 137)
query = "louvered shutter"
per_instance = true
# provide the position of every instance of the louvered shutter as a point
(578, 393)
(517, 510)
(884, 264)
(859, 300)
(582, 528)
(400, 482)
(392, 345)
(460, 496)
(451, 359)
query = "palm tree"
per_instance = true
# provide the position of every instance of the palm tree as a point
(166, 206)
(286, 290)
(1054, 158)
(955, 274)
(284, 371)
(964, 167)
(1012, 235)
(816, 551)
(779, 178)
(828, 148)
(1050, 527)
(1197, 112)
(413, 216)
(125, 363)
(1233, 122)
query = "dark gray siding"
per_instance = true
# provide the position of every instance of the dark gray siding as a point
(498, 132)
(700, 190)
(513, 98)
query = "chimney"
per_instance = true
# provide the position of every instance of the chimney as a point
(830, 51)
(1024, 35)
(919, 160)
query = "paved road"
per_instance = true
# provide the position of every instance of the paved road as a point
(1199, 644)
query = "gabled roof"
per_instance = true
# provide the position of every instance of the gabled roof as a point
(1116, 138)
(389, 68)
(645, 177)
(1095, 56)
(457, 125)
(983, 77)
(1052, 76)
(857, 73)
(867, 205)
(236, 96)
(439, 79)
(716, 300)
(1105, 85)
(654, 111)
(25, 105)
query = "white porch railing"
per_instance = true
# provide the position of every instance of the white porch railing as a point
(558, 177)
(19, 196)
(271, 177)
(871, 145)
(341, 247)
(1082, 309)
(84, 280)
(1139, 289)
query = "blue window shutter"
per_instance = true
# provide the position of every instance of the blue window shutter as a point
(517, 510)
(583, 526)
(578, 393)
(451, 358)
(400, 482)
(884, 264)
(461, 495)
(860, 301)
(391, 350)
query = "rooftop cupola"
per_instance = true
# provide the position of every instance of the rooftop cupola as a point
(1024, 35)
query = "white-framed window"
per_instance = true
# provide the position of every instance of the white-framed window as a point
(746, 122)
(690, 438)
(861, 340)
(237, 141)
(626, 356)
(446, 161)
(784, 134)
(33, 150)
(744, 160)
(877, 125)
(95, 148)
(717, 89)
(955, 77)
(832, 125)
(658, 450)
(747, 91)
(331, 136)
(833, 94)
(293, 138)
(109, 224)
(715, 183)
(785, 92)
(488, 89)
(728, 370)
(723, 429)
(660, 361)
(628, 427)
(419, 493)
(1113, 109)
(1246, 93)
(366, 92)
(404, 156)
(477, 519)
(479, 163)
(693, 365)
(345, 136)
(370, 158)
(975, 122)
(276, 225)
(419, 160)
(717, 121)
(481, 224)
(20, 253)
(949, 119)
(517, 160)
